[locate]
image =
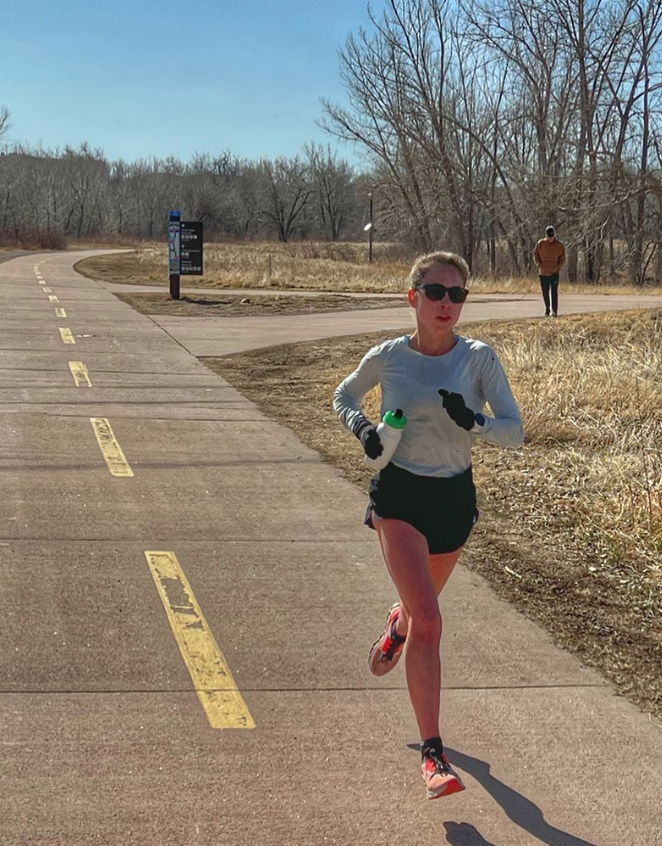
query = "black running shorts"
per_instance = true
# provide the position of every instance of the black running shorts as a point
(442, 509)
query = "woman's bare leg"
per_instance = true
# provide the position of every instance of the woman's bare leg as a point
(441, 567)
(406, 554)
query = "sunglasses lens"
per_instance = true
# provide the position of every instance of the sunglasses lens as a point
(434, 292)
(438, 292)
(457, 295)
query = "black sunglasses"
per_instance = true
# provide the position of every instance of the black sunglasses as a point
(436, 292)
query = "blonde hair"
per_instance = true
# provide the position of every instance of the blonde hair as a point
(437, 259)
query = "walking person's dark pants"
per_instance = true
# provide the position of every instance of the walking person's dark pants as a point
(550, 285)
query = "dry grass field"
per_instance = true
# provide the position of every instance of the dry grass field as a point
(571, 523)
(329, 267)
(244, 304)
(313, 266)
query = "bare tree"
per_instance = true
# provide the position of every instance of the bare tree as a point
(4, 120)
(417, 102)
(285, 192)
(374, 69)
(332, 182)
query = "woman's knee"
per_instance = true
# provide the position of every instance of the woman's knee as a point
(425, 624)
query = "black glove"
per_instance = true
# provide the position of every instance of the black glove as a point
(366, 432)
(457, 410)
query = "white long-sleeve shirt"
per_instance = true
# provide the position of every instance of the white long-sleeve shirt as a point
(432, 444)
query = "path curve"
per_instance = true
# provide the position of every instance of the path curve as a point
(219, 336)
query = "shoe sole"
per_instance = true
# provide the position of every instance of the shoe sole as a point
(372, 648)
(454, 786)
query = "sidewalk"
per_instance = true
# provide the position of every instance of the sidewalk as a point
(104, 737)
(218, 336)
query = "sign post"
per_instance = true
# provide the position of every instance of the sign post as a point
(184, 250)
(369, 228)
(174, 252)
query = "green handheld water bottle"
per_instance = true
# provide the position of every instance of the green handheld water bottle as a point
(390, 431)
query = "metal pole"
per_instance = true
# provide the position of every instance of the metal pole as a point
(370, 232)
(174, 286)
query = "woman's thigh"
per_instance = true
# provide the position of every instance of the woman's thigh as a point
(406, 554)
(441, 567)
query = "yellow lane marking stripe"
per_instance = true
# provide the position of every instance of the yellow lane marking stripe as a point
(110, 448)
(53, 299)
(46, 290)
(60, 312)
(66, 336)
(42, 282)
(80, 374)
(212, 679)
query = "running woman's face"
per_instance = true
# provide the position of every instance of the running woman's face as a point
(439, 316)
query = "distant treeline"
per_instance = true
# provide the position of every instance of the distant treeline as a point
(77, 193)
(481, 122)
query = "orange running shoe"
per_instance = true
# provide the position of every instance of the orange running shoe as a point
(385, 652)
(439, 777)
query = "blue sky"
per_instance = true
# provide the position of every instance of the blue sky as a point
(148, 78)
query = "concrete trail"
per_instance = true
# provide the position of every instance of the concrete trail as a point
(218, 336)
(232, 548)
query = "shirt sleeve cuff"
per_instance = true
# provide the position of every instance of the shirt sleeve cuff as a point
(480, 424)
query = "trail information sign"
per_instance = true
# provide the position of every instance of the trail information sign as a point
(174, 252)
(174, 225)
(191, 248)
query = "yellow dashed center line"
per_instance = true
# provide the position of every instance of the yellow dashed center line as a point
(110, 448)
(46, 290)
(80, 374)
(53, 299)
(60, 312)
(212, 679)
(67, 337)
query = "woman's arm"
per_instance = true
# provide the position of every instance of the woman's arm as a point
(349, 394)
(505, 428)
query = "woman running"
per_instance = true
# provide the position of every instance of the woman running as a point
(423, 503)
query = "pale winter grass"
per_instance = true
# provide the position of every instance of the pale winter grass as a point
(308, 266)
(321, 266)
(591, 396)
(590, 392)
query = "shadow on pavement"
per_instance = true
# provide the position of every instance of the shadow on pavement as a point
(464, 834)
(518, 808)
(521, 810)
(13, 254)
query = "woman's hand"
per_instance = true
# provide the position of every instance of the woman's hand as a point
(371, 441)
(366, 432)
(457, 410)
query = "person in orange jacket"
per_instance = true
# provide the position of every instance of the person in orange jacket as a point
(550, 258)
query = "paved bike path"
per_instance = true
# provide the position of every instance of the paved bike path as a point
(218, 336)
(104, 737)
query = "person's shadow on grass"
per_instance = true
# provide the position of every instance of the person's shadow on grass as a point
(518, 808)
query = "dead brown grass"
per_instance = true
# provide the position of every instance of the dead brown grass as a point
(313, 266)
(329, 267)
(246, 304)
(571, 523)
